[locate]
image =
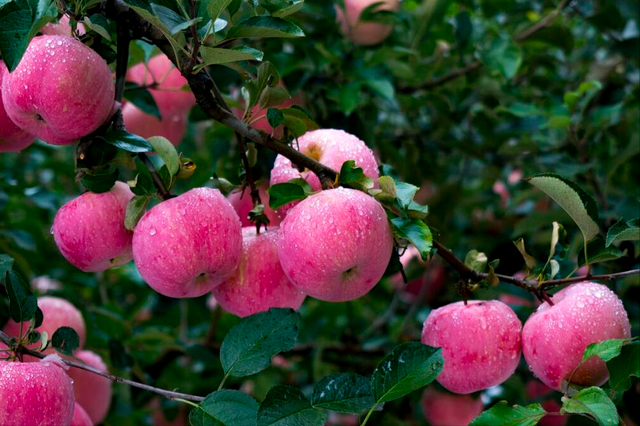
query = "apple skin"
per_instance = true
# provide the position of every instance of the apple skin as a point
(172, 126)
(80, 417)
(187, 245)
(555, 337)
(56, 313)
(35, 393)
(335, 245)
(89, 230)
(62, 27)
(60, 91)
(480, 343)
(242, 203)
(12, 137)
(364, 33)
(259, 283)
(92, 391)
(443, 409)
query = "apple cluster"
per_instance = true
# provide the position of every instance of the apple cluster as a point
(47, 392)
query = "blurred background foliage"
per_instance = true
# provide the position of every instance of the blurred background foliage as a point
(564, 99)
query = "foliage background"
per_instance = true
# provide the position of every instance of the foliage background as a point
(455, 140)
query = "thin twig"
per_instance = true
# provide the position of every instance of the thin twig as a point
(157, 180)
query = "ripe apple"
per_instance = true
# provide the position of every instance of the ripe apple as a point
(60, 91)
(172, 126)
(555, 337)
(12, 137)
(89, 230)
(335, 245)
(92, 391)
(364, 33)
(35, 393)
(63, 27)
(56, 313)
(444, 409)
(185, 246)
(259, 283)
(480, 343)
(80, 417)
(242, 203)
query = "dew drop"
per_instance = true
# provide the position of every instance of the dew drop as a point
(152, 231)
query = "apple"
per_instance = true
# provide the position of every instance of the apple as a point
(89, 230)
(480, 343)
(56, 313)
(35, 393)
(243, 204)
(187, 245)
(172, 126)
(555, 337)
(92, 391)
(330, 147)
(259, 283)
(60, 91)
(63, 27)
(335, 245)
(12, 137)
(364, 33)
(80, 417)
(443, 409)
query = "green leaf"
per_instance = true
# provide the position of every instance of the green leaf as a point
(297, 121)
(502, 414)
(347, 393)
(503, 56)
(142, 184)
(605, 350)
(216, 55)
(353, 177)
(622, 367)
(594, 403)
(225, 408)
(267, 76)
(529, 260)
(416, 232)
(405, 193)
(141, 97)
(559, 122)
(598, 253)
(136, 208)
(171, 20)
(275, 117)
(23, 304)
(293, 190)
(264, 27)
(476, 260)
(126, 141)
(250, 344)
(464, 28)
(20, 20)
(293, 7)
(6, 263)
(623, 231)
(99, 24)
(100, 182)
(410, 366)
(573, 199)
(287, 406)
(382, 86)
(273, 96)
(167, 152)
(65, 340)
(216, 7)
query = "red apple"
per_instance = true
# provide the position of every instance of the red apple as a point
(92, 391)
(443, 409)
(80, 417)
(12, 137)
(364, 33)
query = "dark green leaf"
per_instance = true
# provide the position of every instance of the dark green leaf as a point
(6, 263)
(353, 177)
(416, 232)
(287, 406)
(605, 350)
(142, 184)
(283, 193)
(503, 56)
(101, 181)
(598, 253)
(216, 7)
(297, 121)
(594, 403)
(292, 6)
(347, 393)
(127, 141)
(118, 355)
(216, 55)
(264, 27)
(623, 231)
(622, 367)
(99, 24)
(142, 98)
(273, 96)
(167, 152)
(502, 414)
(275, 117)
(464, 27)
(23, 304)
(136, 208)
(65, 340)
(225, 408)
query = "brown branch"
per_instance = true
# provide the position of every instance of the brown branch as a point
(167, 394)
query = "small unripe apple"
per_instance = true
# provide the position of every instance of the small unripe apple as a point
(555, 337)
(187, 245)
(480, 343)
(80, 417)
(259, 283)
(12, 137)
(92, 391)
(336, 244)
(243, 204)
(443, 409)
(35, 393)
(364, 33)
(56, 313)
(60, 91)
(89, 230)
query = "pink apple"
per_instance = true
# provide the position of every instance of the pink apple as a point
(259, 116)
(364, 33)
(332, 148)
(63, 27)
(480, 343)
(243, 204)
(56, 313)
(35, 393)
(444, 409)
(60, 91)
(185, 246)
(259, 283)
(12, 138)
(172, 126)
(555, 337)
(335, 245)
(89, 230)
(80, 417)
(92, 391)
